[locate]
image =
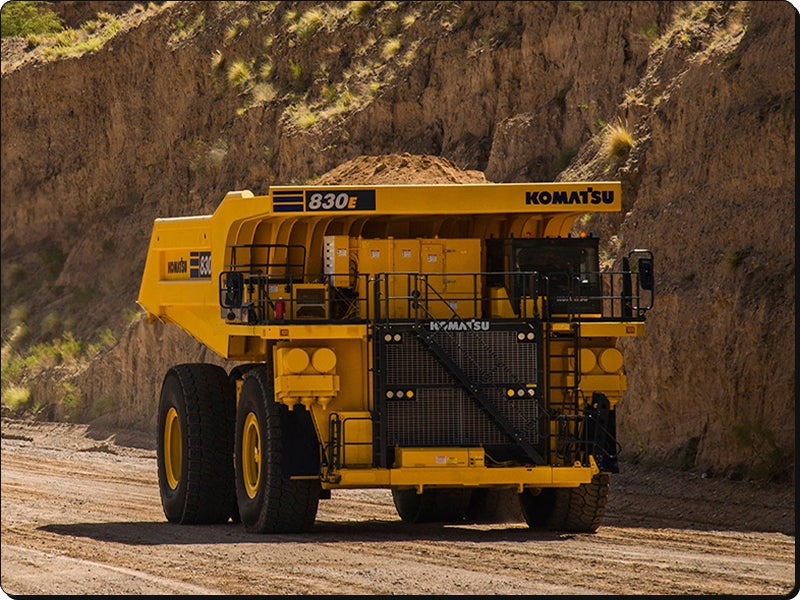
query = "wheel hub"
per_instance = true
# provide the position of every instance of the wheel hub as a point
(251, 455)
(172, 448)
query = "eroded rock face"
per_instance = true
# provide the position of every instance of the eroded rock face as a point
(95, 147)
(714, 199)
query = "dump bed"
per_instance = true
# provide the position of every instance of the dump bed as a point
(285, 232)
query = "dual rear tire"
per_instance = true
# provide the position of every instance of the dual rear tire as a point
(273, 445)
(195, 445)
(575, 510)
(457, 505)
(218, 462)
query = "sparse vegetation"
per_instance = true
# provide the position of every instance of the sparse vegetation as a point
(22, 18)
(409, 19)
(358, 9)
(651, 33)
(89, 37)
(687, 30)
(618, 141)
(305, 117)
(217, 60)
(296, 69)
(182, 32)
(231, 32)
(308, 23)
(564, 158)
(266, 70)
(16, 397)
(240, 73)
(217, 153)
(72, 400)
(634, 96)
(266, 8)
(411, 54)
(65, 352)
(390, 48)
(263, 92)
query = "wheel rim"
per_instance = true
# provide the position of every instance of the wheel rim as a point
(251, 455)
(172, 448)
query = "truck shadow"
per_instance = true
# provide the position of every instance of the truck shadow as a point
(155, 533)
(150, 533)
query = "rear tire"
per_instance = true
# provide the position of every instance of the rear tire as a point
(490, 505)
(195, 444)
(235, 377)
(269, 501)
(434, 505)
(575, 510)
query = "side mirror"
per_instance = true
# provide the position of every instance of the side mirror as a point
(646, 278)
(232, 292)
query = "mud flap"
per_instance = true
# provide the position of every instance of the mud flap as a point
(601, 433)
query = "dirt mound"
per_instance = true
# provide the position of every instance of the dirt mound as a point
(399, 169)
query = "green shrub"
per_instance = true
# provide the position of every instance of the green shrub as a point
(72, 400)
(28, 18)
(16, 397)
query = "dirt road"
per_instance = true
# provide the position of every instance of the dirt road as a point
(81, 515)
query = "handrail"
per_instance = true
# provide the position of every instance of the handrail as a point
(399, 296)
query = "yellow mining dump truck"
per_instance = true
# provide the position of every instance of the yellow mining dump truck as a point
(449, 342)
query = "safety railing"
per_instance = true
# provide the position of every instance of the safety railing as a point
(598, 296)
(273, 293)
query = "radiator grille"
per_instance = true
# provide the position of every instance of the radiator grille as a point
(441, 412)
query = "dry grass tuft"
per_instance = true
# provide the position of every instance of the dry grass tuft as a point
(618, 141)
(239, 73)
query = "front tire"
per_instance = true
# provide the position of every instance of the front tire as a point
(268, 438)
(195, 444)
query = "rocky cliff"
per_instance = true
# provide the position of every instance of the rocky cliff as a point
(183, 101)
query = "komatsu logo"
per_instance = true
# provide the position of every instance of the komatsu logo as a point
(177, 266)
(197, 267)
(471, 325)
(587, 196)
